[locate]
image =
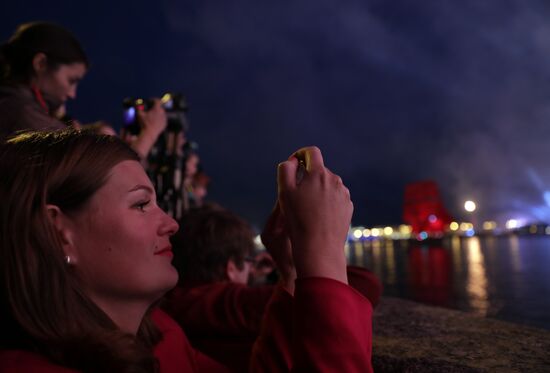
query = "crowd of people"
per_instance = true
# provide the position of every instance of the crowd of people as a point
(41, 66)
(96, 277)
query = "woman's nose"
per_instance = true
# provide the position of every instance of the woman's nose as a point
(169, 226)
(72, 93)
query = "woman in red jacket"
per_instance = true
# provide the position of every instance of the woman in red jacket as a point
(85, 253)
(85, 256)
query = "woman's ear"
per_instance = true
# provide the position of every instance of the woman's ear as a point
(64, 229)
(40, 63)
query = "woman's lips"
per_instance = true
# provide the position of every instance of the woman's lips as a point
(167, 251)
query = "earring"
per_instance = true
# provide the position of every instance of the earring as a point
(67, 259)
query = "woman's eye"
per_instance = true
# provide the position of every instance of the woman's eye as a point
(141, 205)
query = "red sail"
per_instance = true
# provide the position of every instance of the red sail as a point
(423, 208)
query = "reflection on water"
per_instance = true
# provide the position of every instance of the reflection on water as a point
(476, 284)
(514, 252)
(429, 274)
(501, 277)
(358, 247)
(390, 262)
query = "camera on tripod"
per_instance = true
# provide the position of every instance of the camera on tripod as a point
(174, 104)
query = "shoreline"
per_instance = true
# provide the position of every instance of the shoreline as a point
(414, 337)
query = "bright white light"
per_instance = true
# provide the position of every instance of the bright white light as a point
(375, 232)
(469, 206)
(512, 224)
(366, 232)
(388, 231)
(358, 233)
(453, 226)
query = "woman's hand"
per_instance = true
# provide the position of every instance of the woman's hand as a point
(317, 212)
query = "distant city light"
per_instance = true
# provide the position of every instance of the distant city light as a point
(469, 206)
(489, 225)
(512, 224)
(432, 218)
(464, 227)
(422, 235)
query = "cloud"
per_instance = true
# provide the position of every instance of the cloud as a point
(392, 91)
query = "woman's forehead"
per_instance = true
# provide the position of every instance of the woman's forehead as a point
(126, 175)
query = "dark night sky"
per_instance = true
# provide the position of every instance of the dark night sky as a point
(391, 91)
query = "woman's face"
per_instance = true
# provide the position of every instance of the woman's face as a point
(58, 85)
(121, 239)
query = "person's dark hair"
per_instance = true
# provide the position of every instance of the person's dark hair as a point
(43, 307)
(208, 237)
(58, 44)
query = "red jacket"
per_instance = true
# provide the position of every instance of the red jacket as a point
(223, 319)
(174, 354)
(325, 328)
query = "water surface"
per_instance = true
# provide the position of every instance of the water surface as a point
(506, 277)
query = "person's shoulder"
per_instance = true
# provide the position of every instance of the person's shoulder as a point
(164, 322)
(174, 352)
(20, 111)
(20, 361)
(223, 286)
(220, 291)
(15, 95)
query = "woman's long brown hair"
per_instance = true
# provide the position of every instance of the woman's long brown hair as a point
(42, 306)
